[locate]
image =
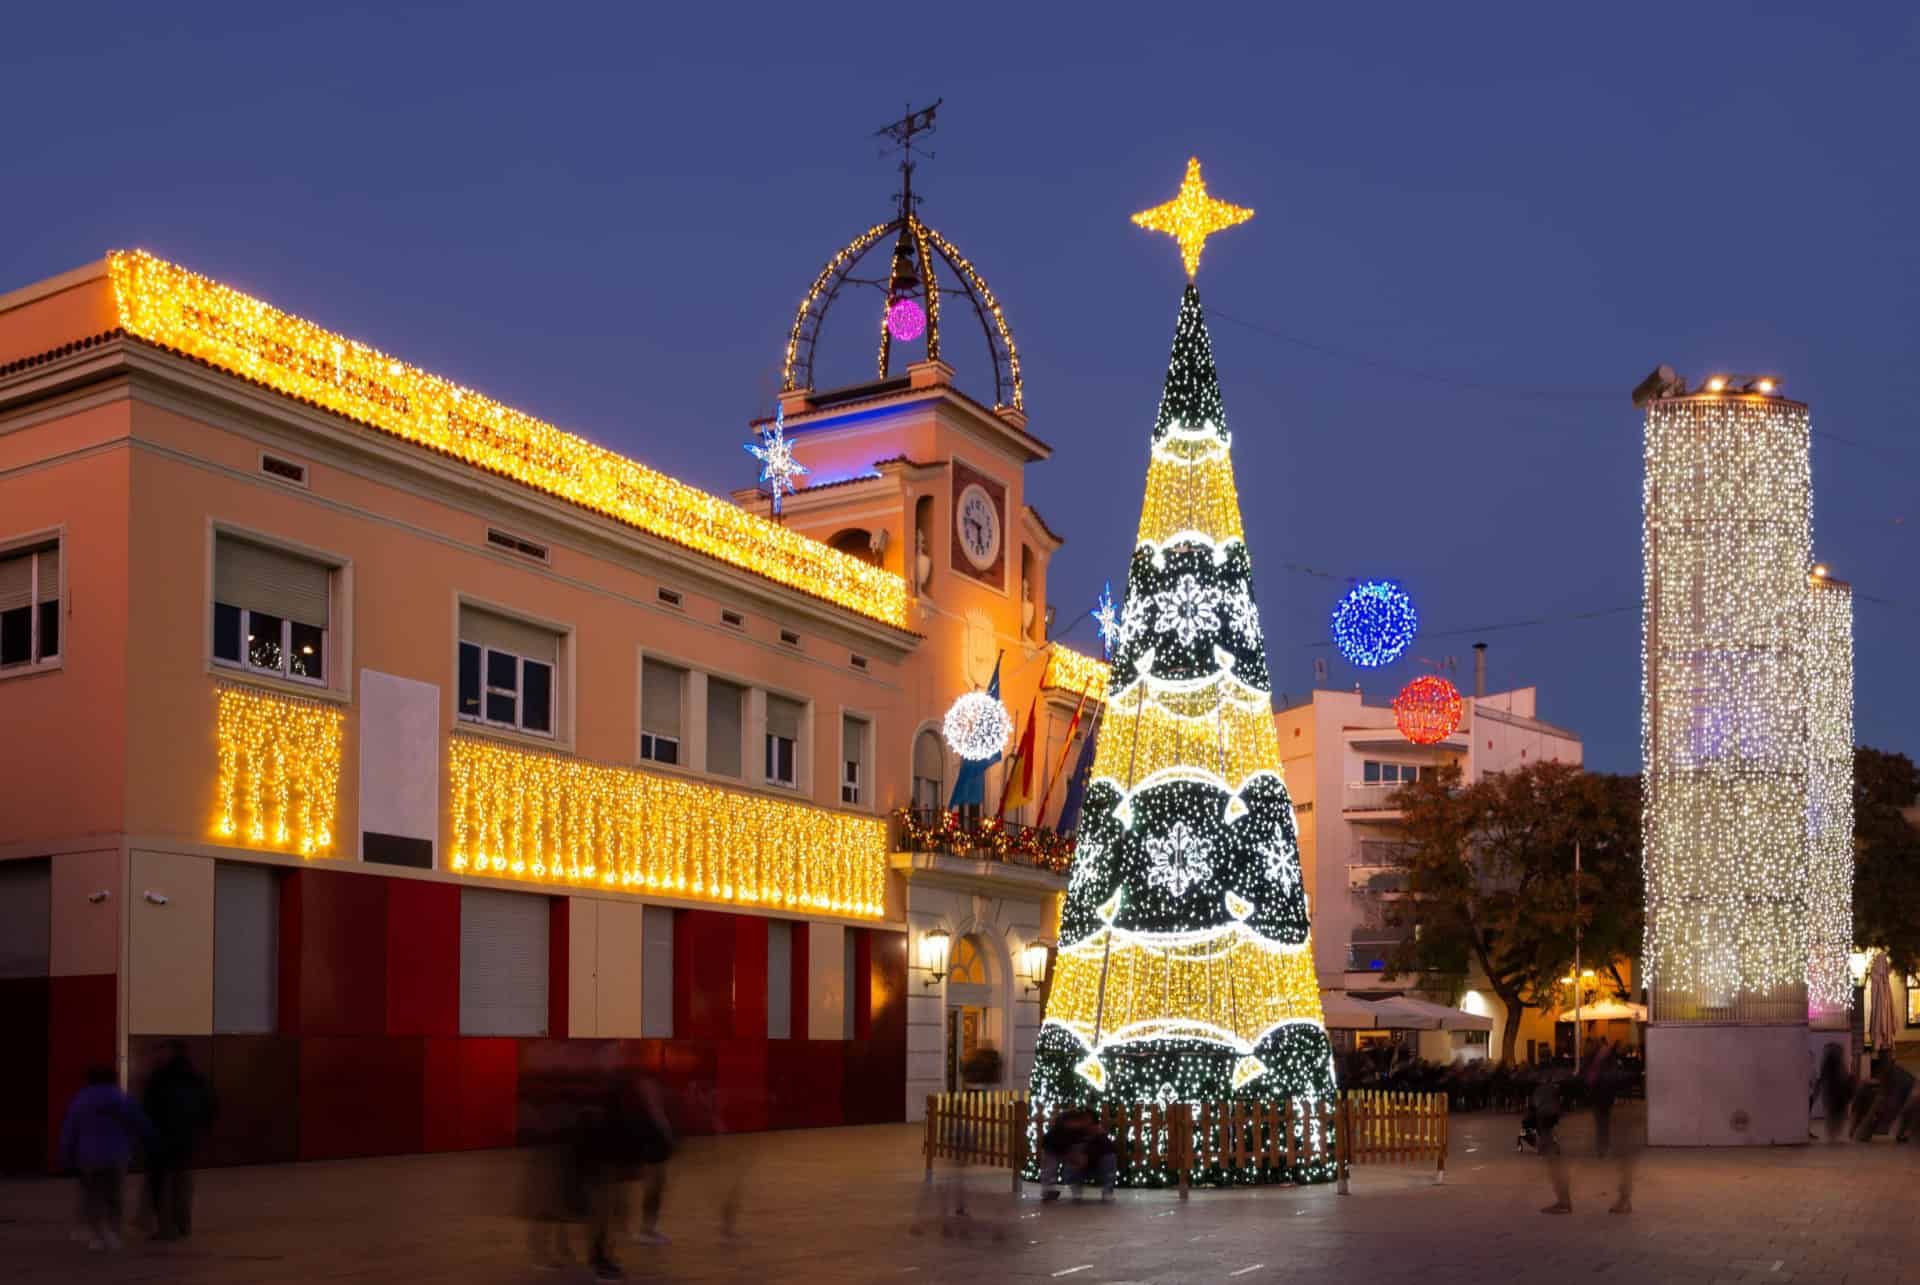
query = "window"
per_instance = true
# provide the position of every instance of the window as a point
(725, 700)
(510, 543)
(30, 605)
(928, 762)
(1913, 1000)
(285, 470)
(270, 610)
(662, 694)
(789, 637)
(733, 619)
(507, 670)
(853, 756)
(1376, 773)
(783, 739)
(671, 597)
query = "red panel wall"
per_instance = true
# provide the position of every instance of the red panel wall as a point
(81, 1032)
(335, 980)
(423, 958)
(862, 997)
(471, 1093)
(749, 978)
(703, 946)
(361, 1096)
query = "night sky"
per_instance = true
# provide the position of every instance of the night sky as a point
(1477, 230)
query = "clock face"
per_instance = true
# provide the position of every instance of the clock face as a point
(977, 522)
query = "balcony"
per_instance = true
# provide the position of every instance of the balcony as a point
(956, 833)
(1369, 796)
(1376, 880)
(1369, 950)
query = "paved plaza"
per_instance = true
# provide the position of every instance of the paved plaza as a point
(842, 1205)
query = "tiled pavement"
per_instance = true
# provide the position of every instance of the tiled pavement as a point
(839, 1205)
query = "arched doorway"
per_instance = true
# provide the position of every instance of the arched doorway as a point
(972, 1019)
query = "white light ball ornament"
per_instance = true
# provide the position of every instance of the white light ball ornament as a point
(977, 726)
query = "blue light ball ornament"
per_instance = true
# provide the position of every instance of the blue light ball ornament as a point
(1375, 623)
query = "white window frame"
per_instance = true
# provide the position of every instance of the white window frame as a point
(38, 544)
(773, 742)
(284, 671)
(519, 693)
(849, 780)
(651, 741)
(854, 757)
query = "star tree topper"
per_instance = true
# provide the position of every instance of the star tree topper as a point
(775, 453)
(1191, 217)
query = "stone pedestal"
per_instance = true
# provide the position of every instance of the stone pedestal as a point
(1727, 1086)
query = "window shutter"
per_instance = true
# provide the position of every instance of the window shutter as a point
(783, 717)
(50, 573)
(503, 633)
(723, 726)
(16, 580)
(661, 686)
(503, 963)
(246, 916)
(269, 580)
(853, 740)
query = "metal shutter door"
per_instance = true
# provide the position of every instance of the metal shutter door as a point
(246, 957)
(503, 963)
(26, 917)
(779, 979)
(263, 579)
(656, 973)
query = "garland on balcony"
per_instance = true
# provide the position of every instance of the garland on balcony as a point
(988, 839)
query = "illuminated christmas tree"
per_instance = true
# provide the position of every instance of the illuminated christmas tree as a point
(1185, 971)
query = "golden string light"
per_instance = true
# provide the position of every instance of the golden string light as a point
(168, 305)
(279, 770)
(1070, 671)
(1725, 549)
(519, 814)
(1830, 852)
(1191, 217)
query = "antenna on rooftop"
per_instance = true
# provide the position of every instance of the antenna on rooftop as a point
(902, 133)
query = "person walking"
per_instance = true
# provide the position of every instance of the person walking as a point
(1546, 1113)
(179, 1108)
(96, 1141)
(1835, 1089)
(1603, 1087)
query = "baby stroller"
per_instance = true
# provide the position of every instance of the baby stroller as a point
(1529, 1139)
(1541, 1115)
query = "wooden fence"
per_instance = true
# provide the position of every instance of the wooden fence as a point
(1207, 1141)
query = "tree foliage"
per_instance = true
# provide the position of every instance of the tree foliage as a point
(1490, 879)
(1886, 872)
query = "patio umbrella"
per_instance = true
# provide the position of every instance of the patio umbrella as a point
(1346, 1012)
(1607, 1010)
(1880, 1004)
(1447, 1019)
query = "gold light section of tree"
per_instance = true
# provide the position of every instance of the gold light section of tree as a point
(1725, 542)
(1225, 742)
(545, 818)
(279, 770)
(1830, 795)
(168, 305)
(1190, 491)
(1228, 985)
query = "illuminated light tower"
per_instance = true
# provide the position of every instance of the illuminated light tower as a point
(1725, 724)
(1829, 801)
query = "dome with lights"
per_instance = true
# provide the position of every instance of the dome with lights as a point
(913, 298)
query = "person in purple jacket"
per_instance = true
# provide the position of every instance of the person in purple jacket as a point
(96, 1140)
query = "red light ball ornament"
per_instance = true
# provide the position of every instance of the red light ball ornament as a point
(1428, 709)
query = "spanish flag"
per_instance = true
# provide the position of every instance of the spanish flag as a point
(1019, 786)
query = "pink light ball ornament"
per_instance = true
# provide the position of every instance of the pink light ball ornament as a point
(906, 320)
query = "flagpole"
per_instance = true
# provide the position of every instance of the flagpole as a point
(1046, 795)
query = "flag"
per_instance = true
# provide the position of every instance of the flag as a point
(1019, 786)
(970, 786)
(1077, 785)
(1053, 777)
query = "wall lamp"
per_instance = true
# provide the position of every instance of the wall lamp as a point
(1036, 956)
(933, 954)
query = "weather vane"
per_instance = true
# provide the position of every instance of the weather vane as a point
(778, 468)
(1191, 217)
(902, 133)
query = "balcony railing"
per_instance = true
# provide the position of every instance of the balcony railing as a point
(958, 832)
(1376, 879)
(1370, 796)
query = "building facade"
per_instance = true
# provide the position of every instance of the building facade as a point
(1345, 759)
(390, 746)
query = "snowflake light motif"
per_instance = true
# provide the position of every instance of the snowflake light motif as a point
(1135, 618)
(1107, 620)
(775, 453)
(1177, 859)
(1086, 867)
(1188, 610)
(1242, 616)
(1279, 868)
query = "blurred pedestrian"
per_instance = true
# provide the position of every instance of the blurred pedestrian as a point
(96, 1141)
(1546, 1114)
(1603, 1087)
(1835, 1089)
(179, 1107)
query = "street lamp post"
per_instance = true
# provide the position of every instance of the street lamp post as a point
(1578, 986)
